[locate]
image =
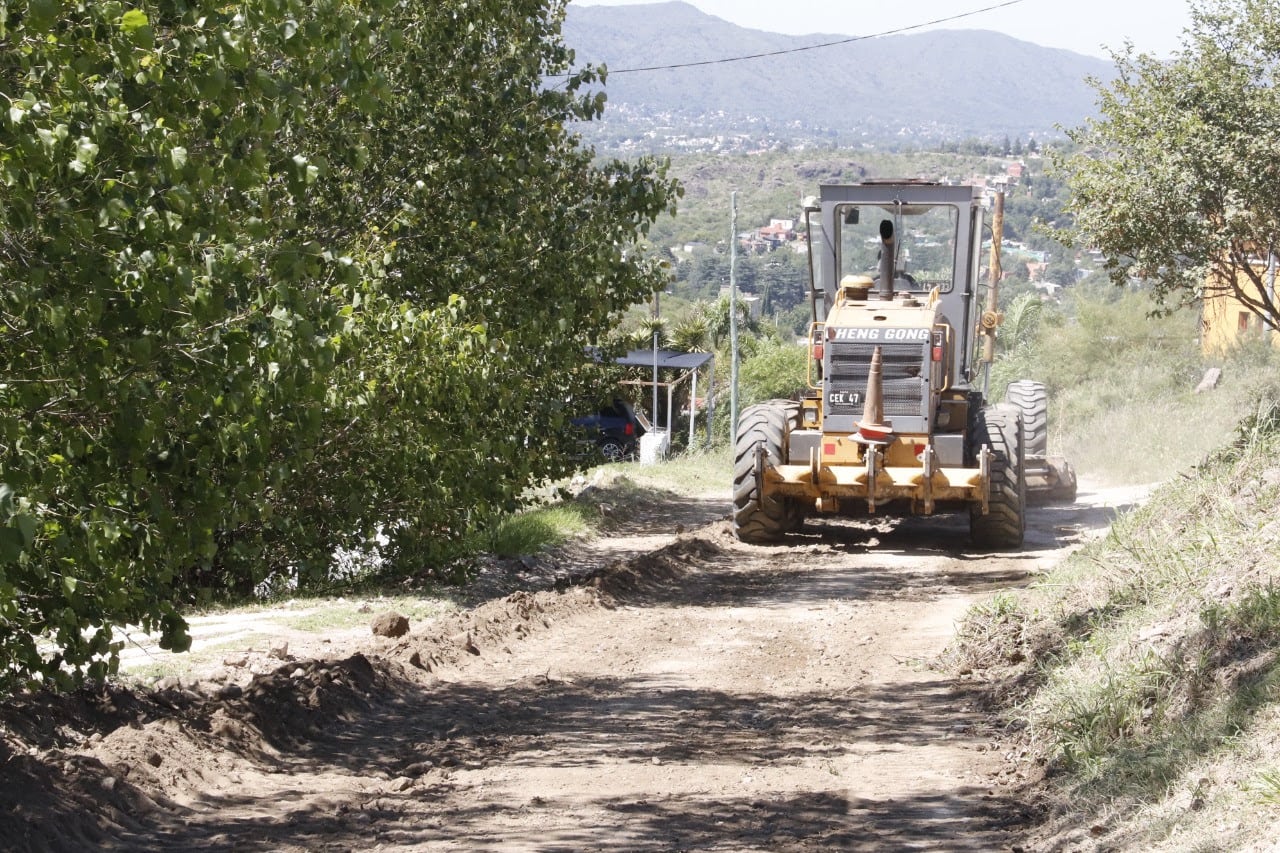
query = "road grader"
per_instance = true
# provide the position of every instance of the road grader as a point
(896, 419)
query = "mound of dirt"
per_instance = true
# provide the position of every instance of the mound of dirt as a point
(85, 770)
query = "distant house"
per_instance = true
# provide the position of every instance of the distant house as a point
(1226, 321)
(775, 235)
(1016, 171)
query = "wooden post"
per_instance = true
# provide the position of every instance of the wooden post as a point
(990, 319)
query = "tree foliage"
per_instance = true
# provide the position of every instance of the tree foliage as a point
(776, 369)
(279, 274)
(1177, 179)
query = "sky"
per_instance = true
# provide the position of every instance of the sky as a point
(1091, 27)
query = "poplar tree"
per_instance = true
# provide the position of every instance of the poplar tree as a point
(1176, 181)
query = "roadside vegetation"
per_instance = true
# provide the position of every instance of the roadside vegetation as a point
(1140, 678)
(1143, 674)
(1122, 381)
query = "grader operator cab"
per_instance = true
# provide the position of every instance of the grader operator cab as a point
(896, 419)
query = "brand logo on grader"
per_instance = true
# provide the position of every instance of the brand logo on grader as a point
(880, 334)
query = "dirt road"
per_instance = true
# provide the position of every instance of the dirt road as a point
(693, 694)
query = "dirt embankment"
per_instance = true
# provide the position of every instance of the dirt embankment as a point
(683, 693)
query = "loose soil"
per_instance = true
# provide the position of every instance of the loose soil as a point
(666, 688)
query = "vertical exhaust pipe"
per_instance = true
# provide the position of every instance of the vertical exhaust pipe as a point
(888, 270)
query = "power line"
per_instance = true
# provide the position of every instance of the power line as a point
(827, 44)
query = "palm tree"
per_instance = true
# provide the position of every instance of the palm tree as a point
(718, 320)
(642, 336)
(693, 335)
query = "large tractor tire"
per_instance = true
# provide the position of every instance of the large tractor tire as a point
(758, 518)
(1005, 522)
(1032, 399)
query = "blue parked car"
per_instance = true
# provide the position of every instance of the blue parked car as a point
(614, 429)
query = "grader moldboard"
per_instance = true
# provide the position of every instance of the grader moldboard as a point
(896, 419)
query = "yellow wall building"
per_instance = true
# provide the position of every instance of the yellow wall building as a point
(1226, 322)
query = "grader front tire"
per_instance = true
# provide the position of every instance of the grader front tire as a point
(762, 429)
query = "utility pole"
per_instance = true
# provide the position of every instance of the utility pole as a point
(733, 315)
(657, 314)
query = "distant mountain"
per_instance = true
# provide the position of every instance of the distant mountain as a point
(934, 85)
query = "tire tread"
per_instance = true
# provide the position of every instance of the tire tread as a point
(758, 520)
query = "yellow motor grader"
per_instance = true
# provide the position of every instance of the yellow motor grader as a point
(896, 419)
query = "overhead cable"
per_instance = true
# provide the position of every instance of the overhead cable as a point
(850, 40)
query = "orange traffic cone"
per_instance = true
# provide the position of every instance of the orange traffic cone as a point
(873, 426)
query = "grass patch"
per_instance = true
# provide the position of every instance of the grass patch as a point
(344, 614)
(693, 473)
(1123, 407)
(617, 492)
(1140, 424)
(1266, 787)
(536, 529)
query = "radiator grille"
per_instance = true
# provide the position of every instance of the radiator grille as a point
(905, 369)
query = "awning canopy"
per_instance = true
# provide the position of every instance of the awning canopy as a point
(667, 359)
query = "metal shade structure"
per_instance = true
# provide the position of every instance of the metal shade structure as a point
(686, 366)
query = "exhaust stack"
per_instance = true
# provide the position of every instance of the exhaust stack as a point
(888, 271)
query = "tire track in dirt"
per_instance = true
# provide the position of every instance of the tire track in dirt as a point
(775, 699)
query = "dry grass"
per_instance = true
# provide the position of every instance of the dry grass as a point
(1155, 686)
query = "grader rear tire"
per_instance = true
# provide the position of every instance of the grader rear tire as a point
(1032, 398)
(1005, 523)
(760, 518)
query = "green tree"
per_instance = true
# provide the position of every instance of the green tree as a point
(646, 330)
(1176, 179)
(1017, 339)
(1061, 270)
(161, 356)
(782, 280)
(277, 274)
(776, 369)
(693, 334)
(718, 321)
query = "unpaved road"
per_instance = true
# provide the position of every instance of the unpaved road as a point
(697, 694)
